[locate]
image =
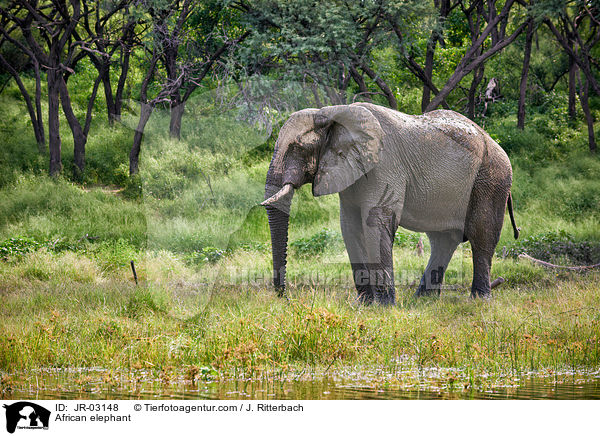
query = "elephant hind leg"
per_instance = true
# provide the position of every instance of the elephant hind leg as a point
(443, 245)
(483, 228)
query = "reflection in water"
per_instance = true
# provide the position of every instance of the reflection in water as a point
(100, 384)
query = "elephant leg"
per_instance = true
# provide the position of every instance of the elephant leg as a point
(352, 231)
(379, 227)
(482, 229)
(443, 245)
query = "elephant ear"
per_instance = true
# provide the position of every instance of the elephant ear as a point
(352, 150)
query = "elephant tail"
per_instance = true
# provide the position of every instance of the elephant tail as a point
(512, 216)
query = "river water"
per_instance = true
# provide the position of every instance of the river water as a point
(98, 384)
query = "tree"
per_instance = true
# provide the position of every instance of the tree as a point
(54, 25)
(524, 74)
(576, 26)
(477, 53)
(397, 17)
(323, 45)
(34, 108)
(146, 108)
(108, 29)
(51, 40)
(185, 41)
(488, 24)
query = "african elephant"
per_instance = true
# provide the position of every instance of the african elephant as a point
(437, 173)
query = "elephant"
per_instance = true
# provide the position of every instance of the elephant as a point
(437, 173)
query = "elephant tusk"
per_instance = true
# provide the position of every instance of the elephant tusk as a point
(283, 192)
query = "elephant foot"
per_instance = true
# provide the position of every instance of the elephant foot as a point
(386, 296)
(365, 296)
(424, 292)
(481, 288)
(484, 294)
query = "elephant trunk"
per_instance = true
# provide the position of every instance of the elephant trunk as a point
(282, 177)
(278, 223)
(278, 201)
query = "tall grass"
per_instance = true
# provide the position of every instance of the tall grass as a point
(104, 320)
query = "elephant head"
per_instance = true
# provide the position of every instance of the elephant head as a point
(330, 148)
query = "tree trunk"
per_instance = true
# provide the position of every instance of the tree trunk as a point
(524, 74)
(108, 94)
(134, 154)
(477, 78)
(583, 97)
(90, 108)
(382, 85)
(315, 91)
(572, 107)
(362, 86)
(426, 97)
(39, 135)
(332, 95)
(176, 116)
(54, 143)
(121, 83)
(79, 138)
(38, 107)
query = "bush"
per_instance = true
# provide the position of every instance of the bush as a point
(553, 246)
(208, 254)
(146, 300)
(534, 145)
(44, 209)
(317, 243)
(406, 240)
(17, 247)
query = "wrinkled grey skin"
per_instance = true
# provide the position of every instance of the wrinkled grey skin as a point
(438, 173)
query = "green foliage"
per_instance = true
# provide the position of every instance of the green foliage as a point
(405, 239)
(115, 255)
(545, 139)
(50, 210)
(317, 243)
(207, 255)
(16, 247)
(553, 246)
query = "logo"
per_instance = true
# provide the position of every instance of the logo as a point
(26, 415)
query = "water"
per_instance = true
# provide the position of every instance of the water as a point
(100, 384)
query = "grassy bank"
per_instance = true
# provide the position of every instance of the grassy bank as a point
(67, 311)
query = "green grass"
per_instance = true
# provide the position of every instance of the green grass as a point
(52, 303)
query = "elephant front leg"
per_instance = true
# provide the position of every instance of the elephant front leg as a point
(352, 231)
(380, 228)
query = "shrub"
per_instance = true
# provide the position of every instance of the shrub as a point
(146, 300)
(208, 254)
(317, 243)
(17, 247)
(551, 246)
(406, 240)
